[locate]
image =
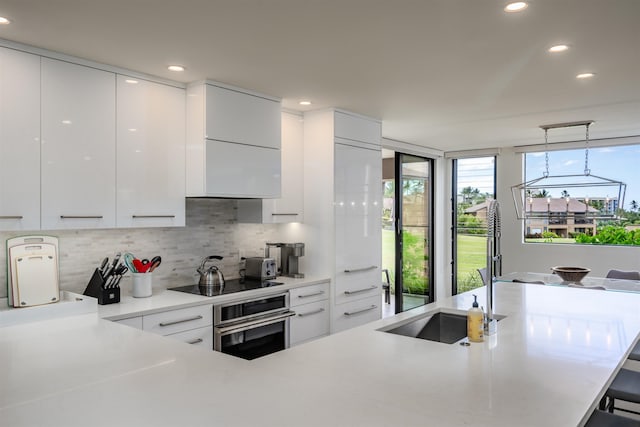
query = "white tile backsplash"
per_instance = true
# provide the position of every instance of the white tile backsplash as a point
(211, 229)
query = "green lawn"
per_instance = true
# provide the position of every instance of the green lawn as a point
(472, 254)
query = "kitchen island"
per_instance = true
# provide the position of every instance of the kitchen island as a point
(550, 362)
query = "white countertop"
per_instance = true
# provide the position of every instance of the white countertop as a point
(163, 299)
(553, 356)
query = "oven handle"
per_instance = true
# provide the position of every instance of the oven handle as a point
(222, 331)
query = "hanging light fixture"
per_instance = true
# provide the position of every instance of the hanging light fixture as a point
(534, 200)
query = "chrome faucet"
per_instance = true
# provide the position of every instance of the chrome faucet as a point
(494, 262)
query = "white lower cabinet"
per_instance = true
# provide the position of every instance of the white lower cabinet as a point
(356, 313)
(311, 305)
(201, 337)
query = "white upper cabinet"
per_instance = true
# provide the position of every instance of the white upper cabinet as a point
(78, 146)
(19, 140)
(357, 128)
(234, 116)
(233, 143)
(289, 207)
(150, 154)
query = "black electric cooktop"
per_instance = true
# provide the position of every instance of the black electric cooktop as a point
(230, 286)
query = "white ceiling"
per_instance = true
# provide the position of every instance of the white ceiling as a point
(447, 74)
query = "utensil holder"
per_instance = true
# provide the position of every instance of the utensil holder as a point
(141, 285)
(96, 289)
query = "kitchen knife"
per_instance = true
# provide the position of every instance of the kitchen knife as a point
(111, 269)
(103, 265)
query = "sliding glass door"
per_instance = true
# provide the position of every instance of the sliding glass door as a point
(413, 232)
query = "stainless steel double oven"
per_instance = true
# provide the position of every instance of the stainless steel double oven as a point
(252, 328)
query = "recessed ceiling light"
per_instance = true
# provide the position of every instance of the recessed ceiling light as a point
(4, 21)
(131, 81)
(176, 67)
(558, 48)
(305, 102)
(585, 75)
(66, 122)
(516, 6)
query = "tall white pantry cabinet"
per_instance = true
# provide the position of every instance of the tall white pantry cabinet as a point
(343, 202)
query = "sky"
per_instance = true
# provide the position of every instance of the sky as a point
(621, 163)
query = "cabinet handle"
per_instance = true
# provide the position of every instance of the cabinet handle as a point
(81, 216)
(357, 291)
(173, 322)
(153, 216)
(290, 214)
(320, 310)
(351, 313)
(311, 295)
(196, 341)
(11, 217)
(355, 270)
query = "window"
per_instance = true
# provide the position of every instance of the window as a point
(578, 213)
(473, 186)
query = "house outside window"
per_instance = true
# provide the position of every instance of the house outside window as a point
(578, 214)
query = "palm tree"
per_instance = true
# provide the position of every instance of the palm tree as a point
(565, 193)
(540, 194)
(469, 194)
(634, 206)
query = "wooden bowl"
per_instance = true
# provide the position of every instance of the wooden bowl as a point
(571, 274)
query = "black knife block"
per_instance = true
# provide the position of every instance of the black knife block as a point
(96, 289)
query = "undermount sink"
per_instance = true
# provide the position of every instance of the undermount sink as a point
(440, 326)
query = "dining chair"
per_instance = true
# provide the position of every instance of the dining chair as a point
(606, 419)
(386, 286)
(627, 275)
(483, 275)
(625, 386)
(635, 352)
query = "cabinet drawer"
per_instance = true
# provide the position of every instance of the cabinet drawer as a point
(134, 322)
(174, 321)
(201, 337)
(352, 314)
(357, 284)
(308, 294)
(311, 321)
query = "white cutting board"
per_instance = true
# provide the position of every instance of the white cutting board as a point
(33, 271)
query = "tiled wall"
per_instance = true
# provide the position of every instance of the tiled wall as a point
(211, 230)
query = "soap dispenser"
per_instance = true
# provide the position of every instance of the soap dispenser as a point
(475, 322)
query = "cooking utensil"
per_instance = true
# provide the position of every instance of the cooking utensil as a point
(128, 261)
(155, 263)
(138, 266)
(211, 276)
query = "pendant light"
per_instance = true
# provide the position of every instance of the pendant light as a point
(534, 200)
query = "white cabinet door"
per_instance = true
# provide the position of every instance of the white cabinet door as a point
(357, 208)
(311, 321)
(234, 116)
(150, 154)
(78, 146)
(238, 170)
(180, 320)
(19, 140)
(357, 128)
(289, 206)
